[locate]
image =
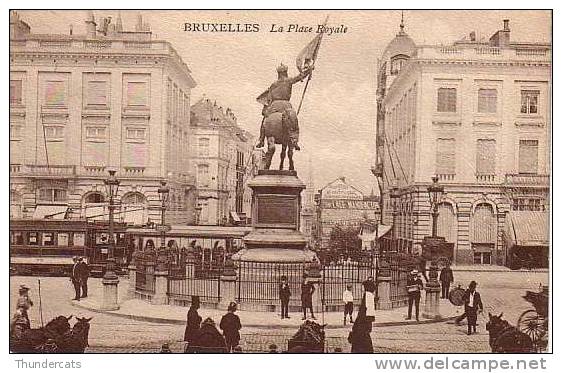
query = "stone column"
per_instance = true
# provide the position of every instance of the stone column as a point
(383, 285)
(228, 285)
(132, 281)
(160, 287)
(110, 291)
(432, 295)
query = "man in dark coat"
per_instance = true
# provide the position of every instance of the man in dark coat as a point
(75, 278)
(446, 278)
(360, 336)
(414, 286)
(208, 339)
(230, 325)
(307, 289)
(193, 321)
(83, 274)
(472, 305)
(284, 296)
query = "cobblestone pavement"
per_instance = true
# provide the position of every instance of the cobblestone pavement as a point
(115, 334)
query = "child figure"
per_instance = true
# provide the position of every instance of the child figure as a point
(348, 304)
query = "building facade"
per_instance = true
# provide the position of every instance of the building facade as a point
(223, 160)
(341, 204)
(82, 104)
(478, 115)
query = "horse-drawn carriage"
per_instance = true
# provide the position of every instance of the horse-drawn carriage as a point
(534, 321)
(310, 338)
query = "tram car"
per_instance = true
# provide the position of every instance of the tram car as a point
(46, 247)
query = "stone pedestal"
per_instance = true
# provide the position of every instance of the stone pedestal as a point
(160, 288)
(110, 293)
(276, 204)
(132, 281)
(384, 302)
(228, 291)
(432, 295)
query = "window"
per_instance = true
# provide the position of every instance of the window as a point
(52, 195)
(33, 238)
(15, 132)
(97, 93)
(203, 175)
(486, 157)
(48, 239)
(482, 257)
(78, 239)
(528, 156)
(95, 198)
(137, 94)
(136, 133)
(16, 238)
(16, 92)
(397, 63)
(62, 239)
(528, 204)
(445, 162)
(55, 93)
(95, 132)
(529, 102)
(487, 100)
(447, 100)
(204, 147)
(54, 132)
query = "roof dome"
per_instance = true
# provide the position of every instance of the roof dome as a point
(401, 44)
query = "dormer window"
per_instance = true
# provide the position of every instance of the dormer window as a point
(396, 63)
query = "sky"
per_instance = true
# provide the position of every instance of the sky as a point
(338, 115)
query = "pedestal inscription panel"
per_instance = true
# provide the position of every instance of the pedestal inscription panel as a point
(276, 210)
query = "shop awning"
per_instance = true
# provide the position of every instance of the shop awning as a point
(235, 216)
(527, 228)
(57, 212)
(382, 230)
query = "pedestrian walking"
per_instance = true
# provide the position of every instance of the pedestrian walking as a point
(307, 289)
(446, 278)
(193, 321)
(348, 304)
(284, 296)
(75, 278)
(473, 305)
(230, 326)
(360, 336)
(83, 274)
(414, 286)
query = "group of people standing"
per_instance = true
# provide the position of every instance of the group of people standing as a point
(79, 277)
(307, 290)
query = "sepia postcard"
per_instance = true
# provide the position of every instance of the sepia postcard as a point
(280, 181)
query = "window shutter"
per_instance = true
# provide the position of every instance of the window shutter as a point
(486, 157)
(528, 156)
(445, 156)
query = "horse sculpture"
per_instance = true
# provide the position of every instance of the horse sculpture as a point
(506, 338)
(276, 127)
(55, 337)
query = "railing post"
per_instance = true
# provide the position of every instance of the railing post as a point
(132, 280)
(383, 284)
(227, 285)
(161, 274)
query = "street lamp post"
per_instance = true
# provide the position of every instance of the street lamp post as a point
(110, 280)
(112, 186)
(198, 209)
(435, 193)
(164, 192)
(394, 197)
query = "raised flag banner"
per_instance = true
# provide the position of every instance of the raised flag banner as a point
(308, 55)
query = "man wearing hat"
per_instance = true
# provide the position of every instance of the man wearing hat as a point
(414, 287)
(230, 326)
(193, 321)
(75, 277)
(284, 296)
(472, 304)
(83, 274)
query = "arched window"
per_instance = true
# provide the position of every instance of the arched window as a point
(397, 63)
(94, 206)
(134, 208)
(15, 205)
(483, 233)
(447, 223)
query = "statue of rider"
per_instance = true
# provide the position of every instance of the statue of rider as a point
(277, 100)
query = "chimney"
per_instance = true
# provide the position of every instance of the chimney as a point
(501, 38)
(90, 25)
(473, 36)
(506, 24)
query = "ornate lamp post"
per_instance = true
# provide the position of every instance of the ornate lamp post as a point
(198, 209)
(394, 198)
(435, 193)
(110, 280)
(112, 186)
(164, 192)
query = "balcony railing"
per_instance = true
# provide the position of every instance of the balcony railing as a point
(446, 177)
(50, 170)
(527, 180)
(485, 178)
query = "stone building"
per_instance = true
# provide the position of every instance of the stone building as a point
(224, 160)
(81, 104)
(478, 115)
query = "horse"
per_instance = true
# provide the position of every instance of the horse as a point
(32, 340)
(276, 132)
(75, 340)
(506, 338)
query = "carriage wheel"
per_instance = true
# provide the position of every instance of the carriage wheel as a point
(534, 325)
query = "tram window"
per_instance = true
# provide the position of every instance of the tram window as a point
(62, 239)
(16, 238)
(33, 238)
(120, 239)
(79, 239)
(102, 238)
(48, 239)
